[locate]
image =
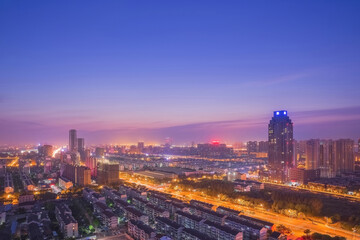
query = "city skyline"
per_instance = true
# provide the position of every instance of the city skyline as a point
(226, 131)
(180, 120)
(123, 73)
(229, 132)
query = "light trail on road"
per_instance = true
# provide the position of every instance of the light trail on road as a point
(296, 225)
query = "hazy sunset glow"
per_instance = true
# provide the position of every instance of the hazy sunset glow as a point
(124, 72)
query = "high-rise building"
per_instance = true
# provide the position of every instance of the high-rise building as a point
(140, 146)
(299, 152)
(344, 156)
(312, 161)
(263, 146)
(281, 153)
(108, 173)
(87, 153)
(252, 146)
(79, 175)
(72, 140)
(81, 144)
(326, 158)
(83, 176)
(359, 145)
(69, 172)
(331, 157)
(91, 163)
(84, 155)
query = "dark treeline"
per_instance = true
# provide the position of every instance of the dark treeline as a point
(297, 201)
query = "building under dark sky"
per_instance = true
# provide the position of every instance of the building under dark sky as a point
(281, 153)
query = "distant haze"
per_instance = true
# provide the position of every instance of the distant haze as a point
(332, 123)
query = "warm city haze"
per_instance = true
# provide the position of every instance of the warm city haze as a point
(180, 120)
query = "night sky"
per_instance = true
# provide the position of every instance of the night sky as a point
(124, 71)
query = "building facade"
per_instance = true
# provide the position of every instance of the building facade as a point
(281, 153)
(72, 140)
(312, 154)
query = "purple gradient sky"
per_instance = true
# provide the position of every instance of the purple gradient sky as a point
(123, 71)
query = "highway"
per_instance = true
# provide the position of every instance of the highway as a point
(295, 224)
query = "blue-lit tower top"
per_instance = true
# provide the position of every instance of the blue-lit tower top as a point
(280, 113)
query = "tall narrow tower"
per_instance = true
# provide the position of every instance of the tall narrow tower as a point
(281, 141)
(72, 140)
(81, 144)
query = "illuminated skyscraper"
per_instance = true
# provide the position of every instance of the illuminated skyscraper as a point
(72, 140)
(281, 153)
